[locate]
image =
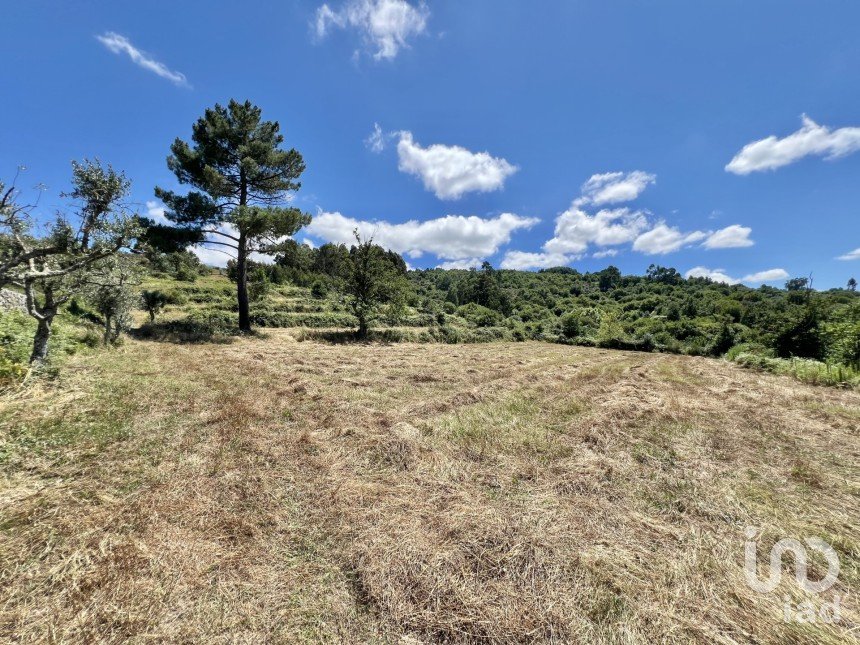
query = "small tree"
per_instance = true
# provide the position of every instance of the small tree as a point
(243, 178)
(570, 326)
(259, 284)
(153, 301)
(609, 278)
(797, 284)
(852, 284)
(54, 268)
(374, 279)
(110, 289)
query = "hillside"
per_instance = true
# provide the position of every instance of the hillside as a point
(263, 489)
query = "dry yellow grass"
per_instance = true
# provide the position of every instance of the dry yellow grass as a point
(270, 490)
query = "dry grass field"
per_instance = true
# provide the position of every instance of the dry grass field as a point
(269, 490)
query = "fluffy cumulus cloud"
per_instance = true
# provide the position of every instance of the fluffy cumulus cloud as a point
(851, 255)
(575, 229)
(811, 139)
(453, 237)
(119, 44)
(615, 187)
(155, 212)
(664, 239)
(768, 275)
(465, 263)
(730, 237)
(451, 171)
(385, 25)
(579, 228)
(719, 275)
(522, 260)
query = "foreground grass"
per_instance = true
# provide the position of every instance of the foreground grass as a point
(274, 490)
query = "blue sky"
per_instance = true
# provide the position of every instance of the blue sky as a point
(529, 134)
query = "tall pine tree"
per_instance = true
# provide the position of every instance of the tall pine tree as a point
(242, 179)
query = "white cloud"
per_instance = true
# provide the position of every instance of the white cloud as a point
(522, 260)
(451, 171)
(608, 253)
(575, 229)
(769, 275)
(119, 44)
(664, 239)
(466, 263)
(614, 187)
(852, 255)
(212, 257)
(730, 237)
(719, 275)
(376, 141)
(452, 237)
(385, 24)
(811, 139)
(155, 212)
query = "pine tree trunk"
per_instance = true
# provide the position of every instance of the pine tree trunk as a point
(40, 341)
(242, 286)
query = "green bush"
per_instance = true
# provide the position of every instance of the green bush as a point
(480, 316)
(319, 289)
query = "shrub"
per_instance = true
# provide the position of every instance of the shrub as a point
(570, 326)
(480, 316)
(319, 289)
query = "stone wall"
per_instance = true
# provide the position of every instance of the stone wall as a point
(12, 300)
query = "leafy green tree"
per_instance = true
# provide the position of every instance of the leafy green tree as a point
(570, 326)
(332, 260)
(482, 287)
(319, 289)
(609, 278)
(724, 340)
(665, 275)
(153, 301)
(259, 284)
(797, 284)
(852, 284)
(373, 281)
(53, 269)
(801, 336)
(242, 180)
(111, 290)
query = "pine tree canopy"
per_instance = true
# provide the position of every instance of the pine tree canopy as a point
(242, 178)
